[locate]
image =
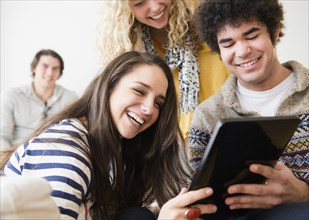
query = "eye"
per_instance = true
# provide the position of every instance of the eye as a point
(138, 91)
(137, 3)
(227, 45)
(56, 69)
(158, 104)
(253, 37)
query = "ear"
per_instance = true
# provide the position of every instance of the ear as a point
(277, 33)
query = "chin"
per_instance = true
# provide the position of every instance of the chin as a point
(128, 136)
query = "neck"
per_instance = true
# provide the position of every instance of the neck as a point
(43, 93)
(279, 73)
(161, 36)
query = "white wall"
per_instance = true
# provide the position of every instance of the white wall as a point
(68, 27)
(294, 44)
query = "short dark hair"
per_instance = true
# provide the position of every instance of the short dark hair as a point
(213, 15)
(46, 52)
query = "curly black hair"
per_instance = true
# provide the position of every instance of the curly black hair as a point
(212, 15)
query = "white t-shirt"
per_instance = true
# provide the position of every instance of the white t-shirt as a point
(266, 102)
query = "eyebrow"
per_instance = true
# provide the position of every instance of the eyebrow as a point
(148, 87)
(246, 33)
(46, 64)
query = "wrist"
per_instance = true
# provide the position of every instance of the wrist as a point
(305, 193)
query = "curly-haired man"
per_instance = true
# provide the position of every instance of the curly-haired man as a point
(245, 33)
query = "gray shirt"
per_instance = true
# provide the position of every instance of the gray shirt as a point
(22, 112)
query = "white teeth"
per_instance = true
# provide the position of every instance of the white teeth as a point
(136, 118)
(158, 16)
(249, 64)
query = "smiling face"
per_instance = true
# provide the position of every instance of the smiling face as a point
(154, 13)
(248, 52)
(136, 100)
(46, 72)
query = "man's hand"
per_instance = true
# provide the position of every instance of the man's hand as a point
(282, 187)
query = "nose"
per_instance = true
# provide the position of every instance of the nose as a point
(147, 108)
(49, 71)
(153, 5)
(242, 50)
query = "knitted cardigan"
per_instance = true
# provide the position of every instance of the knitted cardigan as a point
(225, 104)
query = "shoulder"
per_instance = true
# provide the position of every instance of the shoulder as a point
(302, 72)
(17, 90)
(219, 105)
(62, 91)
(302, 78)
(296, 66)
(206, 114)
(62, 147)
(67, 130)
(15, 95)
(212, 104)
(65, 139)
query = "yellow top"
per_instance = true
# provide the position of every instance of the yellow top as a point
(212, 75)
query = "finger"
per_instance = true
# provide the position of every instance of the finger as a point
(263, 170)
(252, 189)
(245, 202)
(192, 213)
(190, 197)
(280, 166)
(268, 172)
(183, 191)
(279, 171)
(207, 208)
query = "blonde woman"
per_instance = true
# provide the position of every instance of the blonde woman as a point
(164, 27)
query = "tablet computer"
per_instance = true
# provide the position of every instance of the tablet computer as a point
(234, 145)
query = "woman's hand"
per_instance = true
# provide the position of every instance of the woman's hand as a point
(282, 187)
(177, 207)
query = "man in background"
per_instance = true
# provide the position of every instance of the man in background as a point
(24, 108)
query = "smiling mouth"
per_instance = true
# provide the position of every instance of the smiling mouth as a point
(157, 16)
(137, 120)
(248, 64)
(48, 79)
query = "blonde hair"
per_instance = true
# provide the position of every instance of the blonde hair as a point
(118, 31)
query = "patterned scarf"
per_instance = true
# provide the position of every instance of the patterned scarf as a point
(188, 70)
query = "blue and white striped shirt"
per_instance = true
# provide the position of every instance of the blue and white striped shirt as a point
(59, 155)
